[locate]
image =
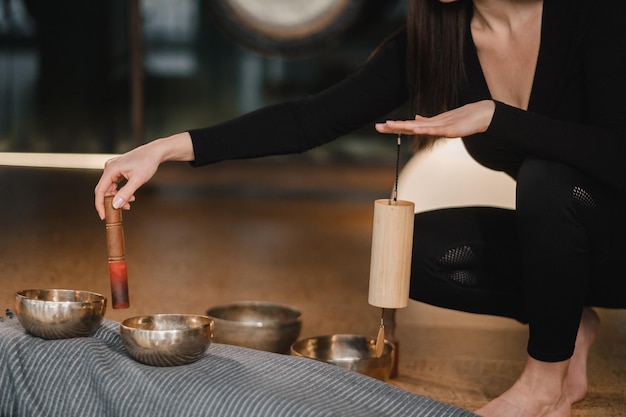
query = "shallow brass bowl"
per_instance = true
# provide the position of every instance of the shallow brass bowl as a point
(59, 314)
(257, 325)
(353, 352)
(167, 339)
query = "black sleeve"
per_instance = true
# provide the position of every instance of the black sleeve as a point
(376, 89)
(597, 144)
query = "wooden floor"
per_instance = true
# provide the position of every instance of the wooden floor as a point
(268, 230)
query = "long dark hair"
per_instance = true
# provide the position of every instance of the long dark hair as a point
(436, 35)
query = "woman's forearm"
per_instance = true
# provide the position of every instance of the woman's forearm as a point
(178, 147)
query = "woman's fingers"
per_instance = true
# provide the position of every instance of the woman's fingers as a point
(410, 127)
(106, 186)
(126, 194)
(123, 197)
(115, 172)
(395, 127)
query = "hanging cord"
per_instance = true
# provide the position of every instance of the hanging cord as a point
(395, 188)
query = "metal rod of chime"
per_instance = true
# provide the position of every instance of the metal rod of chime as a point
(392, 244)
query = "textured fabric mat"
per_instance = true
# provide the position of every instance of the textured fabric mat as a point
(94, 376)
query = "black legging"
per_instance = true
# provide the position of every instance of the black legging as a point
(560, 250)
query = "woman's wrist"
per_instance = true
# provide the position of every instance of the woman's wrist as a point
(489, 107)
(178, 147)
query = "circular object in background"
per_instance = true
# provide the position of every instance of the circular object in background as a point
(290, 28)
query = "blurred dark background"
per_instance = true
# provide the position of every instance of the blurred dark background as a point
(66, 71)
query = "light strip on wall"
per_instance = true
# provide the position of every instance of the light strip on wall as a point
(55, 160)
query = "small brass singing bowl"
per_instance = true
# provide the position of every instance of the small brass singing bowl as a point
(167, 339)
(256, 325)
(352, 352)
(59, 314)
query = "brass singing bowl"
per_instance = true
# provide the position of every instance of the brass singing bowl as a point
(349, 351)
(257, 325)
(167, 339)
(59, 314)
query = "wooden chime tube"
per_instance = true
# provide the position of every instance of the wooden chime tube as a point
(392, 245)
(117, 258)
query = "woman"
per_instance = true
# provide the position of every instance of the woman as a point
(536, 90)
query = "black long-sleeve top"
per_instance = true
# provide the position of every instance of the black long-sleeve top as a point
(576, 114)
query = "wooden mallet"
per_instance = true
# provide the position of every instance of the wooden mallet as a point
(117, 258)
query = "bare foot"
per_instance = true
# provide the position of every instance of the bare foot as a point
(548, 389)
(577, 372)
(541, 391)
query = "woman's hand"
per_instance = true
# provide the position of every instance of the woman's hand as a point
(137, 167)
(463, 121)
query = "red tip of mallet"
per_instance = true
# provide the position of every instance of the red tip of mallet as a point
(119, 284)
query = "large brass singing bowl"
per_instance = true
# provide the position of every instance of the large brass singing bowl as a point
(257, 325)
(353, 352)
(167, 339)
(59, 314)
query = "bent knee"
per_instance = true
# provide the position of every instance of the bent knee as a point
(542, 184)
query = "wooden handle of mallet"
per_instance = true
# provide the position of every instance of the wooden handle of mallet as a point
(117, 258)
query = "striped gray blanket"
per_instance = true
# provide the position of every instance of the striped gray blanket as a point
(94, 376)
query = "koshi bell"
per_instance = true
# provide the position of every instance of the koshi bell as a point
(392, 245)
